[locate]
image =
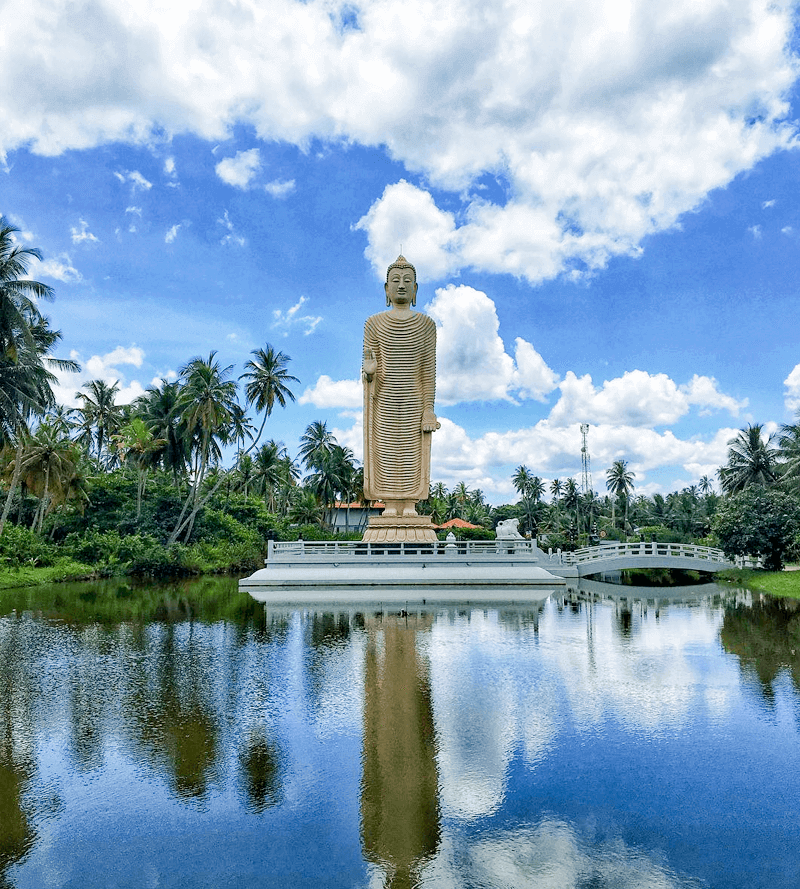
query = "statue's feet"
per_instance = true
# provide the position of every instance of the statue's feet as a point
(409, 508)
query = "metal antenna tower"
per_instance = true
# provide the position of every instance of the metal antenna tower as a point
(586, 466)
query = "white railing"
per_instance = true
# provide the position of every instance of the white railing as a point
(353, 550)
(638, 550)
(485, 550)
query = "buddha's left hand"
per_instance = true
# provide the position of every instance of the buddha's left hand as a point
(429, 421)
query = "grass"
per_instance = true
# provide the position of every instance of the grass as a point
(777, 583)
(28, 575)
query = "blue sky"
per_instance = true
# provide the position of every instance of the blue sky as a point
(600, 200)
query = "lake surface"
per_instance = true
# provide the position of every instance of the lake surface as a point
(166, 736)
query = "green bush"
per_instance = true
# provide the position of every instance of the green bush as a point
(93, 546)
(252, 513)
(142, 554)
(21, 546)
(658, 534)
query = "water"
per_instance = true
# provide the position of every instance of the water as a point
(182, 736)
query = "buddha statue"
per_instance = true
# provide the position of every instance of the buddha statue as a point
(399, 375)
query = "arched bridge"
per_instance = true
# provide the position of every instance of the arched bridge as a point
(619, 556)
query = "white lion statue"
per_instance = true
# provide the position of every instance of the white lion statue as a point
(508, 529)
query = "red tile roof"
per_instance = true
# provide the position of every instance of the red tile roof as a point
(457, 523)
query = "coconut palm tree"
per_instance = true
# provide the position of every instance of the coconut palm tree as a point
(139, 447)
(521, 480)
(789, 454)
(619, 481)
(267, 380)
(206, 404)
(19, 295)
(305, 510)
(26, 340)
(333, 475)
(158, 407)
(266, 471)
(49, 464)
(101, 418)
(439, 491)
(316, 443)
(751, 461)
(244, 472)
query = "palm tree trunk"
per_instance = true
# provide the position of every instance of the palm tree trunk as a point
(14, 483)
(139, 494)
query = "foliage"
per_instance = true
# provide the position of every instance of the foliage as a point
(751, 461)
(758, 522)
(33, 576)
(22, 546)
(659, 534)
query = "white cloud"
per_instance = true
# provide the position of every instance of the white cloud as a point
(232, 237)
(333, 393)
(280, 188)
(791, 397)
(755, 231)
(169, 167)
(551, 450)
(135, 178)
(405, 217)
(135, 211)
(59, 267)
(81, 233)
(472, 363)
(169, 376)
(637, 398)
(767, 204)
(170, 236)
(239, 170)
(284, 320)
(703, 392)
(24, 235)
(602, 122)
(101, 367)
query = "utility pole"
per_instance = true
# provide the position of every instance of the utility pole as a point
(586, 472)
(586, 466)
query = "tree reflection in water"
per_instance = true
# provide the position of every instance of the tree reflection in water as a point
(766, 639)
(170, 710)
(17, 763)
(568, 745)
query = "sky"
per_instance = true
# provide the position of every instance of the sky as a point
(600, 199)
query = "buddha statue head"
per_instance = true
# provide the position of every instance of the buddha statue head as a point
(401, 283)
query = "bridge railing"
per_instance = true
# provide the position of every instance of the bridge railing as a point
(633, 550)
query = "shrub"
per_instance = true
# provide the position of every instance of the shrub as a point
(93, 546)
(658, 534)
(142, 554)
(21, 546)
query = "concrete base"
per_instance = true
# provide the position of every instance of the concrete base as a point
(403, 572)
(400, 529)
(398, 583)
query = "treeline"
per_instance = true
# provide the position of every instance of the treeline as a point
(140, 488)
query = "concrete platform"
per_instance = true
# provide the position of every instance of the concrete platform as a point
(311, 572)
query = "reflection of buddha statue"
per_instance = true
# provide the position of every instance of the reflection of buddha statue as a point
(399, 791)
(399, 373)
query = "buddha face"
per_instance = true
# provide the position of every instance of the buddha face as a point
(401, 287)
